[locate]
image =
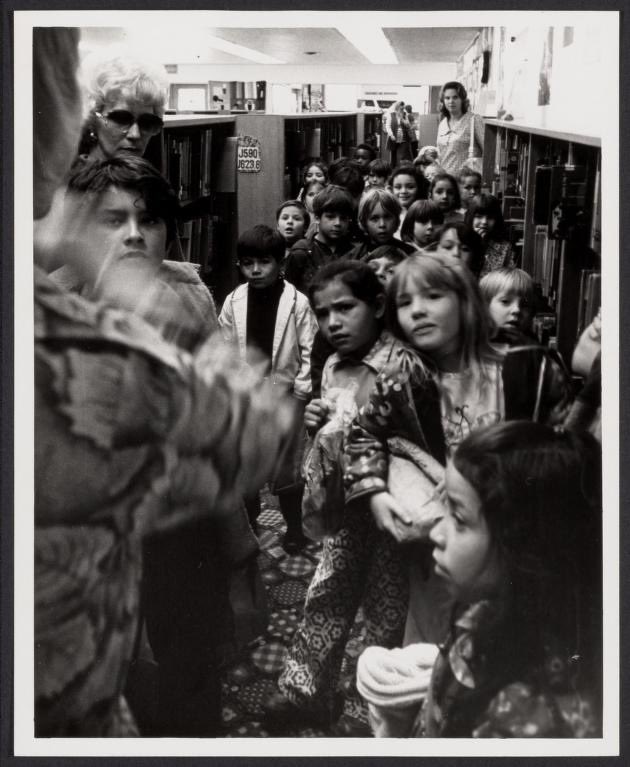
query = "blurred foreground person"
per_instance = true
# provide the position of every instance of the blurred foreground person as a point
(132, 436)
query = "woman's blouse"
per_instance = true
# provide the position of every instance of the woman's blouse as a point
(453, 142)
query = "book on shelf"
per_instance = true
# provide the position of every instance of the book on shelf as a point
(590, 297)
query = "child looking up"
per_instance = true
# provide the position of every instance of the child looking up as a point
(268, 316)
(292, 221)
(359, 565)
(422, 223)
(520, 549)
(485, 217)
(469, 186)
(383, 260)
(458, 240)
(379, 212)
(378, 173)
(445, 194)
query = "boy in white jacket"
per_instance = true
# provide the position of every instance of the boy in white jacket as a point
(268, 318)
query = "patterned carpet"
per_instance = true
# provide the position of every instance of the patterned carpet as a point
(252, 677)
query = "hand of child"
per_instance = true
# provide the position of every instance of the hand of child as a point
(315, 415)
(385, 511)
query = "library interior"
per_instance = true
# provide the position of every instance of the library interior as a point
(318, 377)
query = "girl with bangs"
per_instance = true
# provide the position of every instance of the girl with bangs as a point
(447, 381)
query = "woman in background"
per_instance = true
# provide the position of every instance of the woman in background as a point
(453, 139)
(397, 129)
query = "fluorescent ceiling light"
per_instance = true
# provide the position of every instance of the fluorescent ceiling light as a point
(371, 41)
(240, 50)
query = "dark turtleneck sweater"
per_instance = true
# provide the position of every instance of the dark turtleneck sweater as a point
(262, 310)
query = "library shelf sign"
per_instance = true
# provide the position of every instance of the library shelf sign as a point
(248, 155)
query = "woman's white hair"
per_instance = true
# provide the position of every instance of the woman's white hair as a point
(117, 71)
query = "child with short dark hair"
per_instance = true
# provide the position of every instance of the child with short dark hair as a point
(364, 154)
(333, 212)
(349, 175)
(422, 224)
(407, 186)
(292, 221)
(384, 260)
(378, 173)
(253, 316)
(356, 559)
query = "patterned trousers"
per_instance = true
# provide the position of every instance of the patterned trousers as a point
(360, 567)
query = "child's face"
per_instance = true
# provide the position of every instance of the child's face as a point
(510, 311)
(314, 173)
(424, 232)
(463, 554)
(363, 158)
(451, 245)
(405, 188)
(381, 225)
(483, 224)
(374, 181)
(469, 187)
(309, 196)
(260, 271)
(291, 224)
(384, 268)
(333, 226)
(430, 320)
(443, 195)
(350, 325)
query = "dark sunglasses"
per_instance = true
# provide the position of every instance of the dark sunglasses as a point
(122, 120)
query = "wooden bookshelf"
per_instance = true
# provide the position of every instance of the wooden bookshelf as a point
(533, 171)
(287, 142)
(191, 153)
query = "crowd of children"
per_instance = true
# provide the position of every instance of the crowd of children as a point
(421, 333)
(382, 319)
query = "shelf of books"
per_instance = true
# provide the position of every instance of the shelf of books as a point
(549, 187)
(191, 154)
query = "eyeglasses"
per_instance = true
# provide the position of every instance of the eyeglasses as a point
(121, 120)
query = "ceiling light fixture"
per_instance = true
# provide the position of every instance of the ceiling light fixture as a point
(240, 50)
(371, 42)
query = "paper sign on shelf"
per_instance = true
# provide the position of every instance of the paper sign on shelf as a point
(248, 155)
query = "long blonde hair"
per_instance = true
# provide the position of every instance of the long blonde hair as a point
(451, 274)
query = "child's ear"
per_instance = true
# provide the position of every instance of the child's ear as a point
(380, 306)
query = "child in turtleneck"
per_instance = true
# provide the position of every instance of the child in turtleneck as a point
(271, 321)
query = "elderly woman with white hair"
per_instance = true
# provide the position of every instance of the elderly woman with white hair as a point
(126, 97)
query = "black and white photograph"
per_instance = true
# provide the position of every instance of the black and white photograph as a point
(309, 420)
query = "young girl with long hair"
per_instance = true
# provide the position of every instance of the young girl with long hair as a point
(444, 192)
(484, 216)
(519, 547)
(458, 240)
(448, 381)
(359, 565)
